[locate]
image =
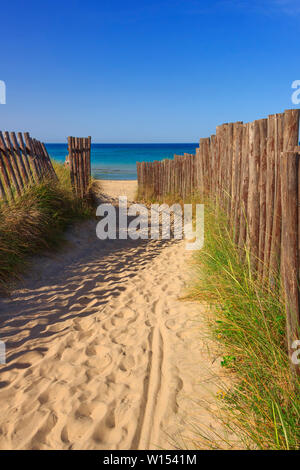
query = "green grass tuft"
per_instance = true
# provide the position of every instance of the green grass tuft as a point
(249, 323)
(36, 222)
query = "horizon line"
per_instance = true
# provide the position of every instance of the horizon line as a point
(130, 143)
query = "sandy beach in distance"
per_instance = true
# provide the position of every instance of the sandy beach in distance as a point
(101, 351)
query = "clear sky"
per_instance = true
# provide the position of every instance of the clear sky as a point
(145, 71)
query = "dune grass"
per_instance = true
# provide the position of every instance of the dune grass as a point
(263, 407)
(36, 222)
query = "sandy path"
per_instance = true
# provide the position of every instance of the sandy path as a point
(101, 353)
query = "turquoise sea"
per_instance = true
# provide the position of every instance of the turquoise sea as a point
(118, 161)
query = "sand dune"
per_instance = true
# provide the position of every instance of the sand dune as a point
(101, 353)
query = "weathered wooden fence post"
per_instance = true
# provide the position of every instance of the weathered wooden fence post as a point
(263, 123)
(244, 188)
(80, 164)
(269, 193)
(238, 145)
(289, 167)
(253, 199)
(290, 238)
(275, 249)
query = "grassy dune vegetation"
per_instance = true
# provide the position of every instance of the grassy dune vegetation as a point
(263, 406)
(36, 221)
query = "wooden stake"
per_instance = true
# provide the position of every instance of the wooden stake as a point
(25, 156)
(253, 199)
(270, 190)
(244, 188)
(263, 125)
(289, 168)
(8, 163)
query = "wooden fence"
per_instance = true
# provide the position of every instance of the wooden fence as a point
(252, 171)
(23, 162)
(80, 164)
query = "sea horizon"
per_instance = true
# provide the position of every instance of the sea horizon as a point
(117, 161)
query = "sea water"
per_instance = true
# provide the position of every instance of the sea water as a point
(118, 161)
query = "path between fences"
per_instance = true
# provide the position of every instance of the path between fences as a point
(102, 354)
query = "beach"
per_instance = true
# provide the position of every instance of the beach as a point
(102, 352)
(149, 229)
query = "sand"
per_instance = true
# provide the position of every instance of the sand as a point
(101, 351)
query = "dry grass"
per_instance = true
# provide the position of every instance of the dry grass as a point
(249, 324)
(36, 221)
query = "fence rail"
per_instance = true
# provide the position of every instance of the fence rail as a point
(252, 171)
(23, 162)
(80, 164)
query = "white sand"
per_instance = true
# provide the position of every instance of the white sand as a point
(102, 354)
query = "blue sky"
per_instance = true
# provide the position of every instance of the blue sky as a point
(145, 71)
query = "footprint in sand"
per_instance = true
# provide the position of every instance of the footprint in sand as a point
(127, 364)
